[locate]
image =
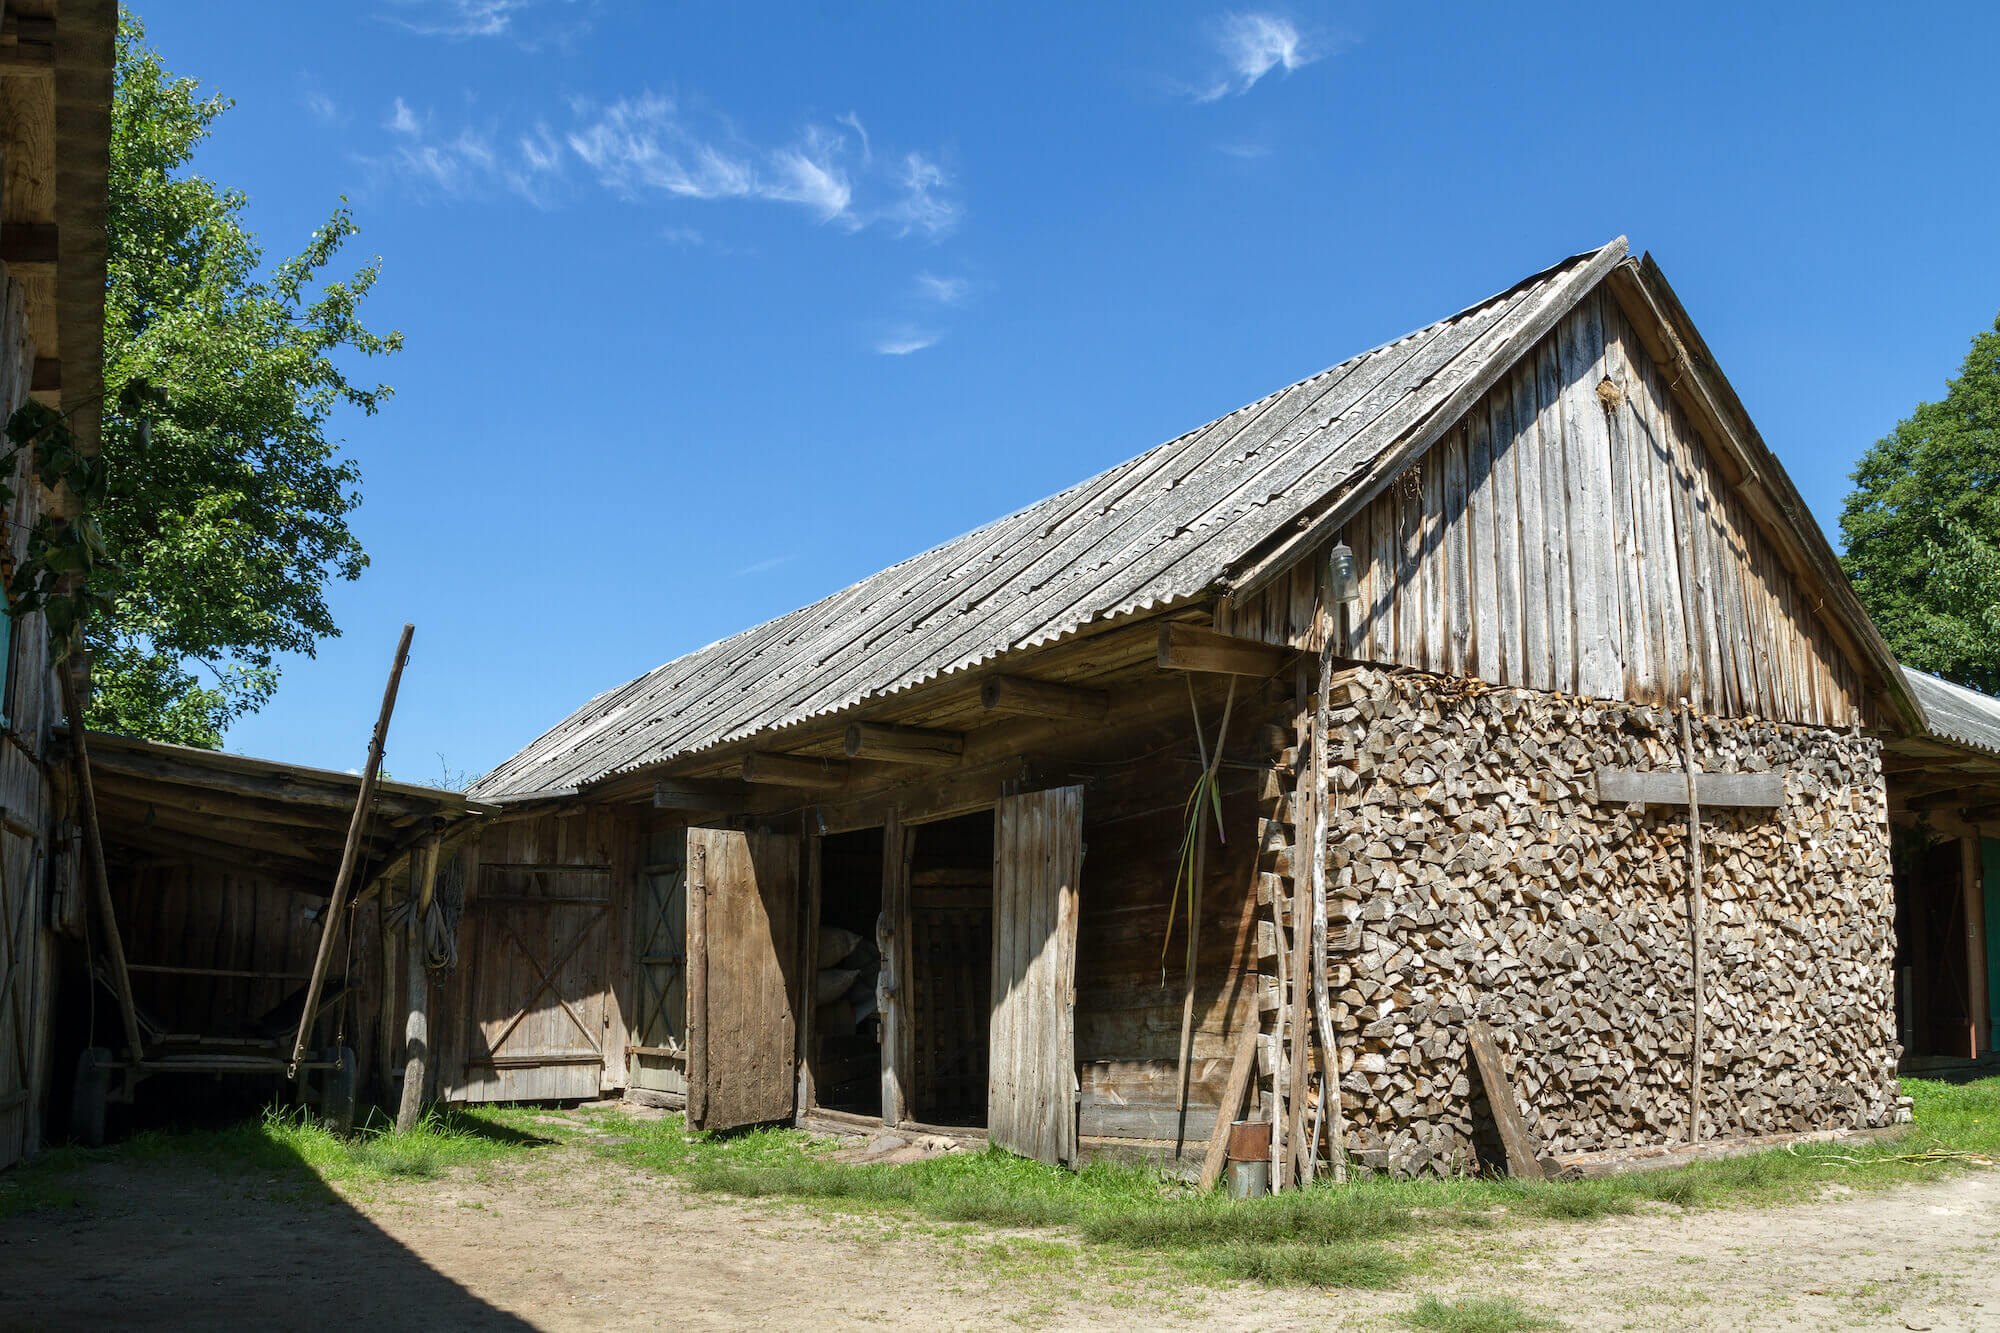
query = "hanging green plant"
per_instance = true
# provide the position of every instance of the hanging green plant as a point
(65, 571)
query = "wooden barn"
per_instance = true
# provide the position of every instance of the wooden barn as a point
(1944, 801)
(1478, 735)
(55, 126)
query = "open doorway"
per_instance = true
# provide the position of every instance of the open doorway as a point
(1933, 997)
(846, 1053)
(951, 968)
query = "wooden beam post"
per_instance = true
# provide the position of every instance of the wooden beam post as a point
(696, 908)
(93, 847)
(903, 745)
(1190, 648)
(791, 770)
(681, 794)
(1695, 926)
(350, 855)
(416, 1025)
(1042, 698)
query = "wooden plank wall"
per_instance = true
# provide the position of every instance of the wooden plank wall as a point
(27, 934)
(600, 836)
(202, 915)
(1037, 860)
(1130, 975)
(1574, 533)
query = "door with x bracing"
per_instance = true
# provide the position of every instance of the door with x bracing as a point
(537, 1004)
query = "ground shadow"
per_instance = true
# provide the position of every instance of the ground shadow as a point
(175, 1240)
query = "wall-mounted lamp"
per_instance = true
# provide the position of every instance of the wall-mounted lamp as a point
(1342, 582)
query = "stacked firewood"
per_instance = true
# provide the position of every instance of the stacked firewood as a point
(1474, 873)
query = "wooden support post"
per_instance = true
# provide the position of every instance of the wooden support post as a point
(93, 847)
(899, 846)
(1283, 951)
(1329, 1046)
(1042, 698)
(350, 856)
(903, 745)
(416, 1026)
(696, 908)
(792, 770)
(1242, 1077)
(1524, 1158)
(1695, 925)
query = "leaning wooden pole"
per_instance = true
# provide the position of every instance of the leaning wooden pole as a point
(350, 855)
(93, 846)
(1211, 765)
(1695, 930)
(416, 1027)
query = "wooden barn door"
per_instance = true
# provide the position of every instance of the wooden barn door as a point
(659, 970)
(536, 995)
(1031, 1089)
(742, 947)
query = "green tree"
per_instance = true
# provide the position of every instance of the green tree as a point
(228, 504)
(1922, 527)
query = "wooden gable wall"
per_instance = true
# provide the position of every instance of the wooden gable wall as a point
(1574, 533)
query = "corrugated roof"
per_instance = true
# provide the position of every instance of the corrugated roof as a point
(1957, 714)
(1159, 529)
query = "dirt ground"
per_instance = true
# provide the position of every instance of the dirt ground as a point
(567, 1239)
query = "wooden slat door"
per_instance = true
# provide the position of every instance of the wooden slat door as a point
(659, 971)
(1037, 859)
(536, 994)
(742, 950)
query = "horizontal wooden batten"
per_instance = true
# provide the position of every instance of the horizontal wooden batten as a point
(791, 770)
(1043, 698)
(903, 745)
(29, 248)
(682, 795)
(1190, 648)
(1762, 791)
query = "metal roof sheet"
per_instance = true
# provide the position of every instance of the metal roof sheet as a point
(1156, 530)
(1957, 714)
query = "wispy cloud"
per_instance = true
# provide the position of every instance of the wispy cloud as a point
(456, 18)
(904, 339)
(317, 104)
(943, 291)
(760, 566)
(1251, 46)
(648, 144)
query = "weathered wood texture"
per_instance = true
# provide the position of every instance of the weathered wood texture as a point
(1576, 533)
(1037, 860)
(27, 929)
(1475, 877)
(537, 1006)
(658, 1004)
(750, 922)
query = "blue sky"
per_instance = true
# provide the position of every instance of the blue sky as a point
(712, 310)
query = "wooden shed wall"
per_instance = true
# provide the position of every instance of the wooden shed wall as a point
(510, 942)
(1575, 533)
(27, 935)
(204, 916)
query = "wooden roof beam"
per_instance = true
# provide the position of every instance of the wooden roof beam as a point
(1945, 799)
(1190, 648)
(729, 798)
(1980, 814)
(29, 248)
(903, 745)
(791, 770)
(1043, 698)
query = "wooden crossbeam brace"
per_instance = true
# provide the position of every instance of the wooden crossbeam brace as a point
(1762, 791)
(681, 794)
(1043, 698)
(904, 745)
(1190, 648)
(1979, 814)
(792, 770)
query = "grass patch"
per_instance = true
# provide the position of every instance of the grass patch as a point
(1325, 1236)
(1475, 1314)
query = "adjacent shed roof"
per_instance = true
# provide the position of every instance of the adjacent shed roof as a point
(1957, 714)
(1160, 529)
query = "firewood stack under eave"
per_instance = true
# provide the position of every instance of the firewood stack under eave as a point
(1473, 872)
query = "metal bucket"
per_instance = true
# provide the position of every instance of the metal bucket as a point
(1249, 1180)
(1249, 1159)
